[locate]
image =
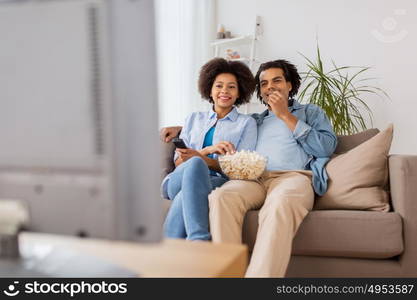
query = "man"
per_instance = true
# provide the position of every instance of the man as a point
(298, 141)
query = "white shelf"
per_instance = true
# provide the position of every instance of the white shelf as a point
(240, 59)
(244, 39)
(244, 59)
(248, 40)
(235, 40)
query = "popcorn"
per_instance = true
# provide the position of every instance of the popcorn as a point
(247, 165)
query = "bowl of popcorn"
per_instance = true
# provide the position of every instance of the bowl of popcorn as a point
(245, 165)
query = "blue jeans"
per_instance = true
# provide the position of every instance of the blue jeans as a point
(188, 188)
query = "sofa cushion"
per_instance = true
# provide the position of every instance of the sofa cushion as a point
(357, 178)
(338, 233)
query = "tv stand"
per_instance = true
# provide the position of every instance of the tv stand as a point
(169, 258)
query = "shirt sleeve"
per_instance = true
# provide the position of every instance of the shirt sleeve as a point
(249, 136)
(316, 135)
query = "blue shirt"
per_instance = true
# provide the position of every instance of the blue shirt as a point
(314, 134)
(236, 128)
(277, 143)
(208, 139)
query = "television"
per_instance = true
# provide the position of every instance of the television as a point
(79, 117)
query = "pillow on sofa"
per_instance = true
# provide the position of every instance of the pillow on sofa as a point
(357, 178)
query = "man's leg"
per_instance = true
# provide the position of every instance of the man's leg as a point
(289, 198)
(228, 206)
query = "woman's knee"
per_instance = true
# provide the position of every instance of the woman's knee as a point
(196, 165)
(196, 160)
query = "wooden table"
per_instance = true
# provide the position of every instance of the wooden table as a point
(170, 258)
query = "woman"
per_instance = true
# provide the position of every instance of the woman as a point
(225, 84)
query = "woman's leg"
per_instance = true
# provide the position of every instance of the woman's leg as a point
(196, 186)
(174, 222)
(175, 181)
(189, 187)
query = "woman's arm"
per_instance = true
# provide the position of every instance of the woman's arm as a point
(186, 154)
(220, 148)
(213, 164)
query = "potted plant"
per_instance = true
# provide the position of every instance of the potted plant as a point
(339, 94)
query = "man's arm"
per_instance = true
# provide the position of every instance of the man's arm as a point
(316, 135)
(168, 133)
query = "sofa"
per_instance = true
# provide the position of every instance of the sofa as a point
(353, 243)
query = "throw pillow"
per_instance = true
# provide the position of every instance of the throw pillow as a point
(358, 177)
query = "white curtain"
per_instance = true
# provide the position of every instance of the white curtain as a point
(184, 30)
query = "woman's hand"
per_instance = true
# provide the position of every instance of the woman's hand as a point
(220, 148)
(186, 154)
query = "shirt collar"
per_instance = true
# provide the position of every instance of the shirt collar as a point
(294, 105)
(232, 115)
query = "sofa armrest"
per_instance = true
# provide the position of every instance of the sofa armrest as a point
(403, 179)
(168, 165)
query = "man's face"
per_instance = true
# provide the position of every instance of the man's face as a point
(271, 80)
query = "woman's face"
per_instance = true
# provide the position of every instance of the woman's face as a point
(224, 91)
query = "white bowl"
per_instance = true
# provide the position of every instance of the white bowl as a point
(244, 165)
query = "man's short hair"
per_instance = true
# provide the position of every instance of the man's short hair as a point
(290, 74)
(245, 80)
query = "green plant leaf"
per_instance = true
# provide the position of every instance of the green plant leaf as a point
(339, 93)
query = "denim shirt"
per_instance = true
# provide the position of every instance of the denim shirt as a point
(236, 128)
(314, 133)
(239, 129)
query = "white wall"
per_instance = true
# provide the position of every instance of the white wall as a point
(348, 34)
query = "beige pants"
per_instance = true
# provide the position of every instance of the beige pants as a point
(284, 199)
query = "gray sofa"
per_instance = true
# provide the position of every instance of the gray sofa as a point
(342, 243)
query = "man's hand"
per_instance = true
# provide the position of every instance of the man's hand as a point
(186, 154)
(168, 133)
(220, 148)
(279, 104)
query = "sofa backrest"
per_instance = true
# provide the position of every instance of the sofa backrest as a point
(347, 142)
